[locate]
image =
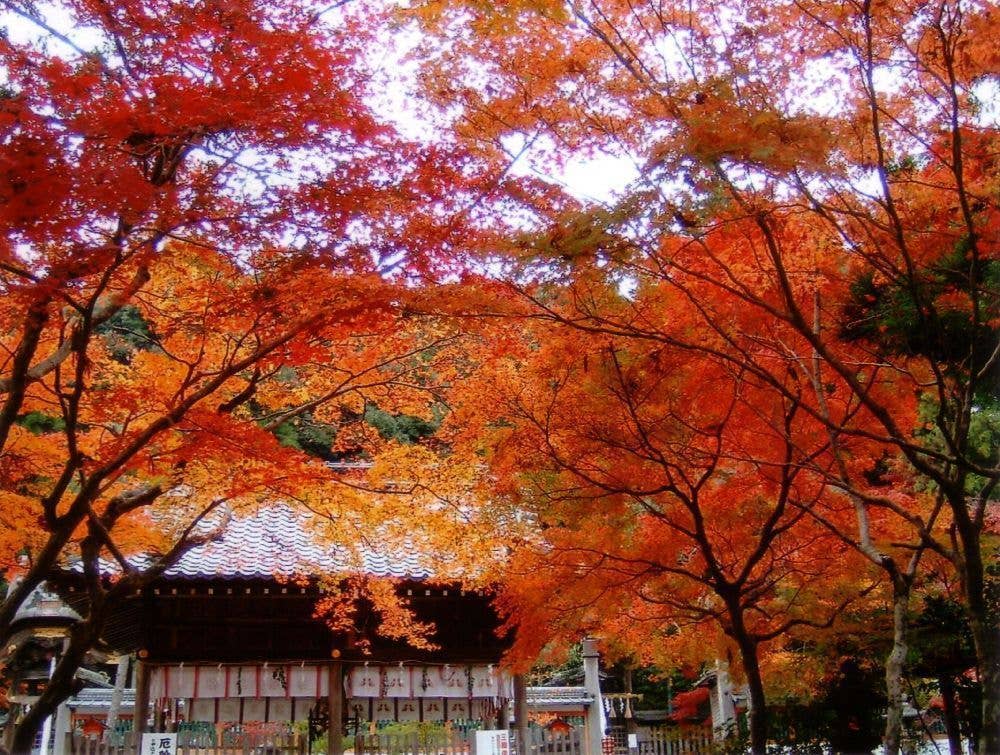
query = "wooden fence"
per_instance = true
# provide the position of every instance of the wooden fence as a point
(539, 742)
(427, 743)
(681, 740)
(542, 742)
(257, 741)
(127, 743)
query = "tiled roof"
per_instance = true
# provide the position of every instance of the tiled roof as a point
(45, 607)
(539, 697)
(95, 697)
(279, 541)
(651, 716)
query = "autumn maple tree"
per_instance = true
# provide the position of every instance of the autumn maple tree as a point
(209, 240)
(674, 498)
(814, 205)
(772, 358)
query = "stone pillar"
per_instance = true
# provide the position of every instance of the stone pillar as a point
(121, 676)
(724, 696)
(59, 744)
(61, 729)
(47, 724)
(592, 683)
(521, 713)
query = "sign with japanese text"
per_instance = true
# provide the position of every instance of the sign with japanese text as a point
(493, 742)
(159, 744)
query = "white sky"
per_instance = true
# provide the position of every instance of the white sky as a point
(600, 178)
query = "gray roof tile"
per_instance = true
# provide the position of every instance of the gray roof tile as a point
(542, 696)
(278, 541)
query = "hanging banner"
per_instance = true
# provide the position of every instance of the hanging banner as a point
(211, 681)
(301, 707)
(242, 681)
(203, 710)
(311, 682)
(434, 680)
(458, 710)
(229, 710)
(254, 710)
(454, 682)
(357, 708)
(433, 708)
(384, 710)
(274, 681)
(279, 709)
(365, 681)
(396, 681)
(307, 681)
(157, 688)
(429, 681)
(180, 682)
(484, 682)
(409, 710)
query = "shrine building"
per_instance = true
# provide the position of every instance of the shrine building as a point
(229, 635)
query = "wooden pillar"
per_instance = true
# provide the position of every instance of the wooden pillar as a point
(335, 705)
(521, 713)
(141, 712)
(630, 726)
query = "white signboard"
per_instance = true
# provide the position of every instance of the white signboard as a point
(493, 742)
(159, 744)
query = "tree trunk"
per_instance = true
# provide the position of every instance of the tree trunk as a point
(894, 668)
(758, 705)
(983, 623)
(751, 666)
(16, 386)
(984, 634)
(947, 686)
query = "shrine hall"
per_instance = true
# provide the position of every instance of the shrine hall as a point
(229, 634)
